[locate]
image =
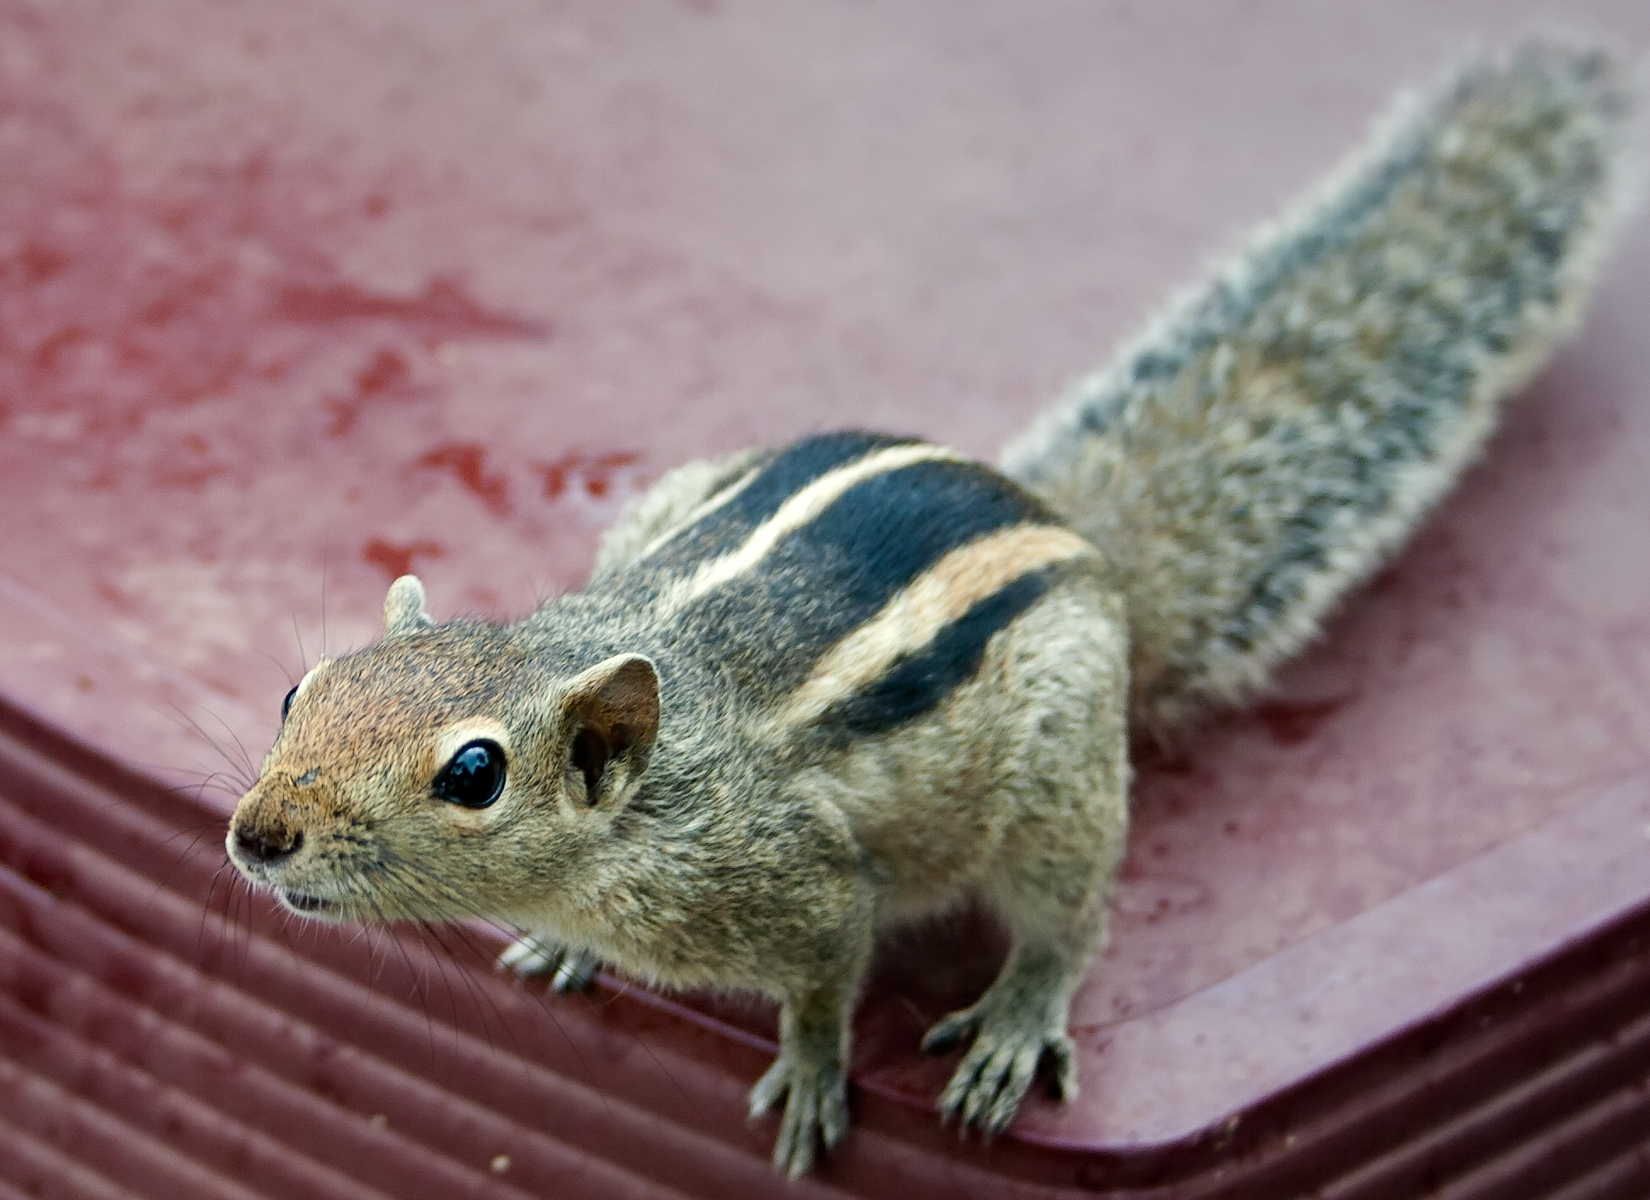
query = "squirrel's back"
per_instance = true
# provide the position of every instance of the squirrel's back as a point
(1256, 452)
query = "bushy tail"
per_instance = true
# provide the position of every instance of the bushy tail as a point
(1266, 441)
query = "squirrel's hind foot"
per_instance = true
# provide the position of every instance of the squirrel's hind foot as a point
(570, 970)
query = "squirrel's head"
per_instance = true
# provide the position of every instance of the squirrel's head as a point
(441, 774)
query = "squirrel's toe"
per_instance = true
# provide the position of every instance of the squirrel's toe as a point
(951, 1031)
(529, 956)
(985, 1091)
(570, 970)
(815, 1116)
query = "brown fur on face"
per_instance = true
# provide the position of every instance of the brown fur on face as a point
(346, 791)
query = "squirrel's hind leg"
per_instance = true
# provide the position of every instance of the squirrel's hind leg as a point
(1064, 781)
(1018, 1026)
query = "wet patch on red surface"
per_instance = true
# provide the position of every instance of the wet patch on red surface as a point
(1292, 724)
(396, 559)
(387, 378)
(443, 309)
(593, 474)
(187, 348)
(466, 462)
(120, 303)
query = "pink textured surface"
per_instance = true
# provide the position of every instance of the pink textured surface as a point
(294, 297)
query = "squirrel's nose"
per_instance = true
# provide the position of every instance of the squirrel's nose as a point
(266, 846)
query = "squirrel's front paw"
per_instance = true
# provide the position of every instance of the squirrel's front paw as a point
(569, 970)
(987, 1087)
(816, 1110)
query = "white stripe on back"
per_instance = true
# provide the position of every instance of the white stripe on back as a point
(801, 507)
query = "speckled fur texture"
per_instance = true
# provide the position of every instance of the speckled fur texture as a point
(812, 692)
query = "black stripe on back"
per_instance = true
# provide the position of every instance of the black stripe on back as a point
(824, 580)
(918, 682)
(781, 477)
(885, 531)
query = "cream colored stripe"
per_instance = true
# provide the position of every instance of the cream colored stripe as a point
(936, 598)
(801, 507)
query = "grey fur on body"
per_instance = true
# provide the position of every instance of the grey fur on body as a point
(720, 773)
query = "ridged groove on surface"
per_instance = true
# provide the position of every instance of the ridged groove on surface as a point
(7, 1192)
(1625, 1177)
(84, 1128)
(206, 1124)
(48, 1173)
(1561, 1154)
(1535, 1112)
(1449, 1095)
(194, 1042)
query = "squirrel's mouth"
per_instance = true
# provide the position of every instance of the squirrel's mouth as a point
(307, 904)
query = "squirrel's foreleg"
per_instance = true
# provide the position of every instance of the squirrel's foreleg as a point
(811, 1070)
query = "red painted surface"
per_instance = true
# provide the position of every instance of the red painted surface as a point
(296, 298)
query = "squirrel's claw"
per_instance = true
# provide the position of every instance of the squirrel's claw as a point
(528, 956)
(575, 972)
(950, 1032)
(985, 1091)
(816, 1110)
(570, 970)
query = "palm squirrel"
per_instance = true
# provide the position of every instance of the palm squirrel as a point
(813, 691)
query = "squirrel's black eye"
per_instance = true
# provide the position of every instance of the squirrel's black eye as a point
(473, 777)
(286, 705)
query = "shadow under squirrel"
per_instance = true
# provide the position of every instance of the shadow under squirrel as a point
(813, 691)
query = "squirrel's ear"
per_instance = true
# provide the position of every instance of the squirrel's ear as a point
(404, 607)
(611, 713)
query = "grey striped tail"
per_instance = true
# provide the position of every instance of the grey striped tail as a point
(1260, 448)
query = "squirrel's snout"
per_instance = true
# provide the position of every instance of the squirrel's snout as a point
(266, 846)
